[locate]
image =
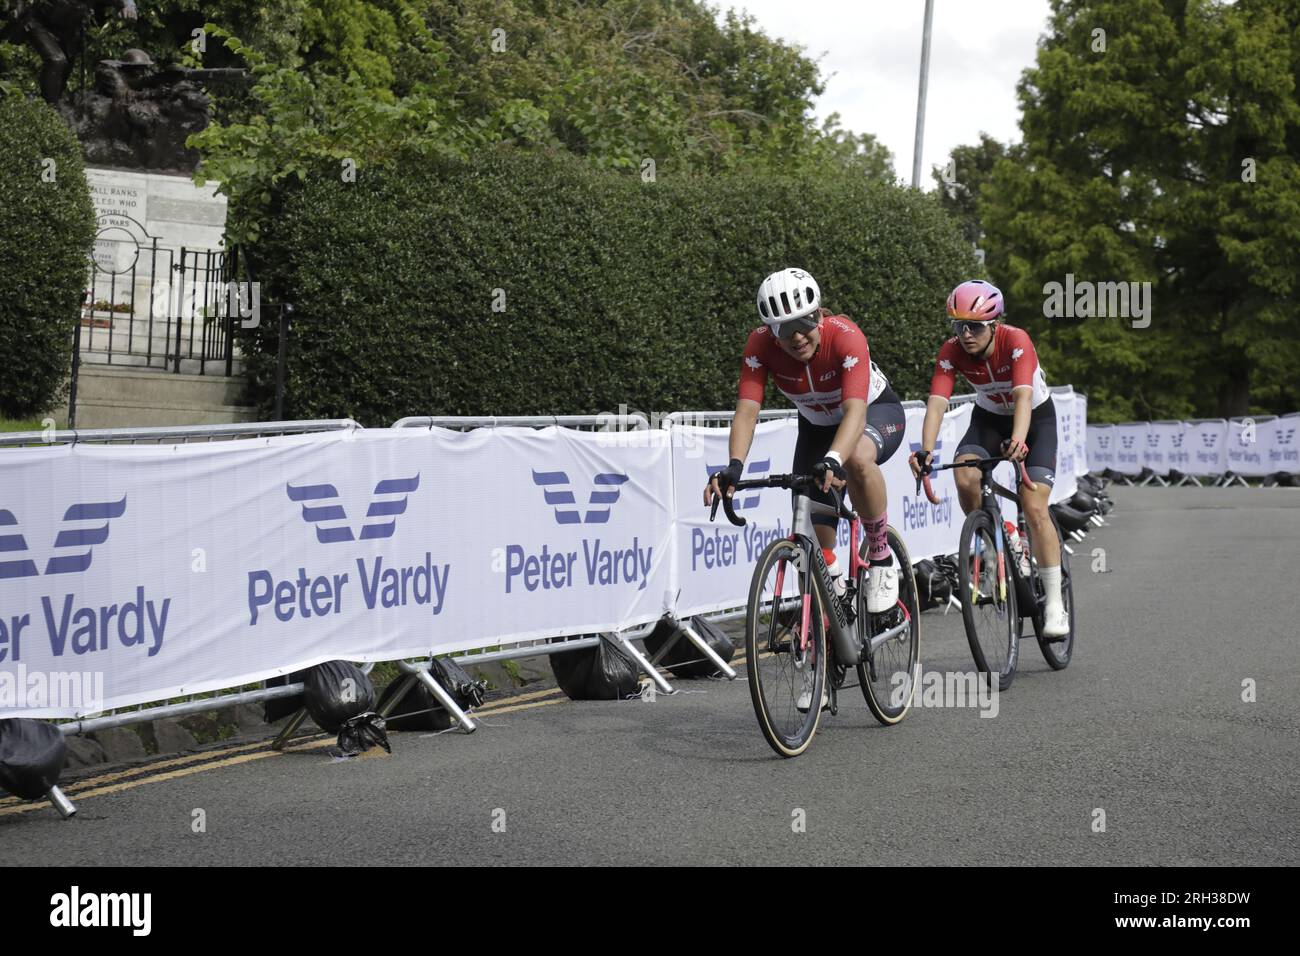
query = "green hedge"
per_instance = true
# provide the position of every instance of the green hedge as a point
(47, 227)
(617, 291)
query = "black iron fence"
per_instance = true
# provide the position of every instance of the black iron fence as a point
(157, 307)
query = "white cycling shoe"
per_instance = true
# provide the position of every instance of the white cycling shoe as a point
(805, 698)
(882, 588)
(1056, 621)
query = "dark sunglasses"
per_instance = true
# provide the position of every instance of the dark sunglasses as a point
(974, 328)
(787, 330)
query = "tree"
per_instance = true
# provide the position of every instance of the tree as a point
(1161, 140)
(960, 182)
(47, 228)
(619, 82)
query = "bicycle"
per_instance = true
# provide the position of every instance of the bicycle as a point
(788, 616)
(991, 612)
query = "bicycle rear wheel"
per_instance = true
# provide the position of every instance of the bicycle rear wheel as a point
(988, 599)
(888, 674)
(1058, 652)
(786, 660)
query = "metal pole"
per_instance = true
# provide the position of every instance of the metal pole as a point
(76, 366)
(232, 259)
(285, 311)
(61, 803)
(440, 695)
(723, 667)
(180, 314)
(920, 97)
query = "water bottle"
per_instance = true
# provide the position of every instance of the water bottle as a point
(1017, 547)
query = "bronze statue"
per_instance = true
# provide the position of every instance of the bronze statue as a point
(139, 113)
(55, 29)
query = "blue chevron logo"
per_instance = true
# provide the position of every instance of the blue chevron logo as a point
(85, 526)
(321, 508)
(558, 494)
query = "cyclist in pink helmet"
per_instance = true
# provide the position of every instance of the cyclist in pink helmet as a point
(1013, 405)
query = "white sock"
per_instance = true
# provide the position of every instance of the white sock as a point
(1052, 585)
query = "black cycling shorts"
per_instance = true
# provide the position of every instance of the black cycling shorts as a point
(886, 423)
(988, 431)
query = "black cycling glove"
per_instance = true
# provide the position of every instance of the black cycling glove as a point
(729, 476)
(829, 464)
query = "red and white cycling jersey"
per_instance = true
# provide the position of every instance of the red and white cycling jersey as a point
(1012, 364)
(840, 369)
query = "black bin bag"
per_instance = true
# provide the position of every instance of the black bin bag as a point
(335, 692)
(603, 672)
(685, 660)
(420, 710)
(932, 586)
(31, 757)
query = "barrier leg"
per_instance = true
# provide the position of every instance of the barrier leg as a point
(61, 803)
(440, 694)
(289, 729)
(668, 645)
(709, 652)
(405, 683)
(641, 661)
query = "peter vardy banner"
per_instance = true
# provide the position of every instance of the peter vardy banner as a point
(1247, 446)
(131, 574)
(137, 573)
(715, 560)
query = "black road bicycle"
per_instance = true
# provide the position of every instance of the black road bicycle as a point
(792, 667)
(998, 587)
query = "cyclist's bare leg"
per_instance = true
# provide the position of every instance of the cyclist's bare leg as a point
(866, 482)
(968, 485)
(1047, 546)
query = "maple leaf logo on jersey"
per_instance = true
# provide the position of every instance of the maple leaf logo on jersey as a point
(945, 365)
(753, 362)
(1016, 353)
(850, 361)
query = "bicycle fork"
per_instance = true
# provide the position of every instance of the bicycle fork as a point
(1002, 568)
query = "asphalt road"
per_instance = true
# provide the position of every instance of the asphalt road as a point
(1147, 724)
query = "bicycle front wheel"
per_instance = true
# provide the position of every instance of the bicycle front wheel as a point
(785, 648)
(888, 670)
(988, 599)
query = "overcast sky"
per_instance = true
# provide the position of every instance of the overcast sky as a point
(870, 53)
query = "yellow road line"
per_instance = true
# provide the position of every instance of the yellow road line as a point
(518, 698)
(509, 710)
(88, 782)
(114, 783)
(158, 778)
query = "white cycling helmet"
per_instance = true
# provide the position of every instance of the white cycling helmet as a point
(786, 297)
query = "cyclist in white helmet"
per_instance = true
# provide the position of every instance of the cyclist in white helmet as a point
(850, 420)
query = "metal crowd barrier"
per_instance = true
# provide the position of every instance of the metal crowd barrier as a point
(178, 435)
(175, 434)
(534, 647)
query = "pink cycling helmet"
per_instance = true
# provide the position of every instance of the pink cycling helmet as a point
(976, 300)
